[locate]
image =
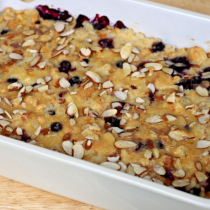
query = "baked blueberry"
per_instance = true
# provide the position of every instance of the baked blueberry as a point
(151, 96)
(4, 31)
(80, 20)
(52, 14)
(100, 22)
(141, 146)
(115, 122)
(157, 47)
(25, 136)
(119, 64)
(51, 112)
(65, 66)
(12, 80)
(206, 69)
(159, 144)
(106, 43)
(75, 80)
(56, 127)
(119, 24)
(169, 174)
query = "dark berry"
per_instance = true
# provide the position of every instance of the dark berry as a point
(195, 191)
(119, 64)
(56, 126)
(119, 24)
(81, 19)
(75, 80)
(169, 174)
(151, 96)
(38, 22)
(141, 65)
(157, 47)
(25, 136)
(141, 146)
(51, 112)
(65, 66)
(187, 127)
(86, 60)
(159, 144)
(190, 83)
(106, 43)
(52, 14)
(115, 122)
(12, 80)
(206, 69)
(100, 22)
(4, 32)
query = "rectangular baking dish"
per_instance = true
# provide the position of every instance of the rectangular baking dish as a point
(91, 183)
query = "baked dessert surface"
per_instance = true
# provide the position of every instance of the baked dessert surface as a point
(107, 95)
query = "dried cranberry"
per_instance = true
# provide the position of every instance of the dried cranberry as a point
(75, 80)
(151, 96)
(12, 80)
(106, 43)
(56, 126)
(100, 22)
(206, 69)
(65, 66)
(51, 112)
(119, 24)
(115, 122)
(52, 14)
(119, 64)
(141, 146)
(159, 144)
(81, 19)
(150, 144)
(4, 31)
(157, 47)
(25, 136)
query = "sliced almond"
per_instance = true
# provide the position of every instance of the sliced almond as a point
(202, 91)
(69, 19)
(123, 144)
(1, 111)
(202, 144)
(156, 153)
(35, 60)
(154, 66)
(179, 174)
(109, 113)
(78, 150)
(84, 64)
(29, 32)
(168, 70)
(113, 159)
(153, 119)
(116, 129)
(131, 57)
(64, 83)
(198, 166)
(180, 183)
(148, 154)
(8, 115)
(72, 110)
(107, 84)
(29, 88)
(59, 26)
(126, 51)
(16, 101)
(29, 42)
(14, 86)
(4, 123)
(126, 69)
(67, 33)
(138, 169)
(123, 166)
(93, 76)
(111, 165)
(205, 75)
(139, 100)
(42, 88)
(47, 78)
(133, 68)
(67, 146)
(19, 111)
(204, 119)
(151, 87)
(15, 56)
(44, 38)
(136, 58)
(85, 52)
(37, 131)
(180, 135)
(116, 104)
(171, 99)
(159, 169)
(92, 137)
(170, 118)
(121, 95)
(19, 131)
(200, 176)
(88, 85)
(7, 101)
(135, 50)
(126, 134)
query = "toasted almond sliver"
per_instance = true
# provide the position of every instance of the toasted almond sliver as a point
(135, 50)
(59, 26)
(85, 52)
(126, 134)
(113, 159)
(131, 57)
(107, 84)
(1, 111)
(37, 131)
(78, 150)
(121, 95)
(64, 83)
(170, 118)
(72, 110)
(35, 60)
(123, 166)
(204, 119)
(206, 75)
(154, 66)
(41, 65)
(29, 42)
(151, 87)
(180, 135)
(159, 169)
(171, 98)
(148, 154)
(179, 174)
(19, 131)
(202, 91)
(15, 56)
(4, 123)
(29, 32)
(109, 113)
(180, 183)
(201, 176)
(93, 76)
(84, 64)
(88, 85)
(19, 111)
(153, 119)
(202, 144)
(123, 144)
(111, 165)
(126, 51)
(67, 146)
(7, 101)
(126, 69)
(138, 169)
(15, 85)
(43, 88)
(139, 100)
(67, 33)
(47, 78)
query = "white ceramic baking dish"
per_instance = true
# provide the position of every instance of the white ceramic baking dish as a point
(91, 183)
